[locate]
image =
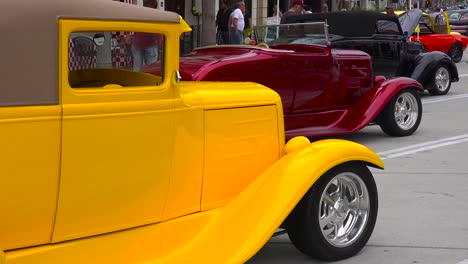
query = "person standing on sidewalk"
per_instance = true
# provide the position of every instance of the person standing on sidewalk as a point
(296, 8)
(222, 20)
(237, 24)
(145, 46)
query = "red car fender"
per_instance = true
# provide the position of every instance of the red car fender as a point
(462, 39)
(368, 107)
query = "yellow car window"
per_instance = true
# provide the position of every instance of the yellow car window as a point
(115, 59)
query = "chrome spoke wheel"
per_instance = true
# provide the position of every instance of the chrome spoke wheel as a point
(442, 79)
(402, 115)
(335, 218)
(406, 111)
(344, 209)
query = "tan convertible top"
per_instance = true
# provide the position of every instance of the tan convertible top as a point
(29, 36)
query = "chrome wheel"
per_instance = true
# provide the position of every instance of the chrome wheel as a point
(336, 217)
(406, 111)
(402, 115)
(344, 209)
(442, 79)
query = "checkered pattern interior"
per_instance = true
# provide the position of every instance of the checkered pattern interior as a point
(83, 56)
(121, 53)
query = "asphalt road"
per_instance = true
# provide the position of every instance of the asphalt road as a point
(423, 191)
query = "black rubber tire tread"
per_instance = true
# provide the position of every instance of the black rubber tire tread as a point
(386, 118)
(456, 49)
(432, 88)
(303, 226)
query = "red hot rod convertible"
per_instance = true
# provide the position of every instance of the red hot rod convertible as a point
(325, 91)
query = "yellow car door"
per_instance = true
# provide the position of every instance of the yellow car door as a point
(117, 133)
(30, 165)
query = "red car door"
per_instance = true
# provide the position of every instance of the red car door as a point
(437, 42)
(272, 69)
(313, 79)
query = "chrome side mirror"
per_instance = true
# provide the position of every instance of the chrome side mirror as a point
(177, 76)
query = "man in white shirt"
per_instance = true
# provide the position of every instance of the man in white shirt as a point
(237, 24)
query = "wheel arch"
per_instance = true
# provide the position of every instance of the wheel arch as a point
(298, 171)
(368, 107)
(453, 72)
(409, 123)
(428, 62)
(251, 218)
(305, 230)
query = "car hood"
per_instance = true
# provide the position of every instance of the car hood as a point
(207, 58)
(410, 20)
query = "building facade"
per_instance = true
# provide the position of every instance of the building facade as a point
(201, 15)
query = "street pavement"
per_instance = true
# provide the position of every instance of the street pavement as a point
(423, 191)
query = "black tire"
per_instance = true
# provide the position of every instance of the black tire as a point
(441, 81)
(456, 52)
(407, 121)
(303, 224)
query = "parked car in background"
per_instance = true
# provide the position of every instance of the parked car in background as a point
(439, 22)
(325, 91)
(103, 163)
(434, 33)
(385, 39)
(458, 20)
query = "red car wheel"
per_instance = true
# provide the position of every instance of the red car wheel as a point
(456, 52)
(402, 115)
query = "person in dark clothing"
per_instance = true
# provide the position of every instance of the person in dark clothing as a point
(222, 18)
(296, 7)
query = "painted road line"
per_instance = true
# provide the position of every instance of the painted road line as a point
(463, 262)
(462, 75)
(423, 147)
(423, 144)
(445, 98)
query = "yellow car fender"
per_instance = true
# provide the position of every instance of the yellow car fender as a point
(237, 231)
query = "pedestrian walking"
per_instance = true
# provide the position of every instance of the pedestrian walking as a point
(237, 24)
(222, 20)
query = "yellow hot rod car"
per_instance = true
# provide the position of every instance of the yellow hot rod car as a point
(102, 163)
